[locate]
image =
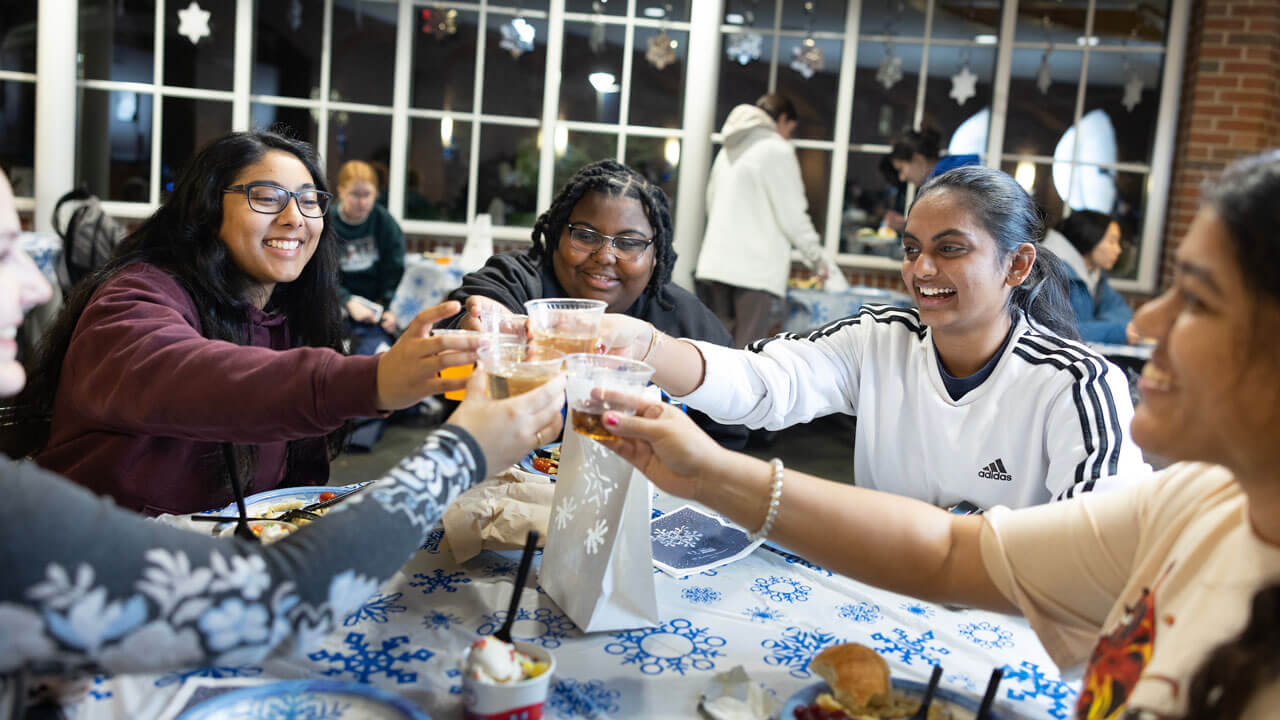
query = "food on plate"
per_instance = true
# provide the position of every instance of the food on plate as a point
(548, 465)
(860, 688)
(273, 530)
(494, 661)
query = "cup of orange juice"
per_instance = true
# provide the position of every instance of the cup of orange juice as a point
(456, 371)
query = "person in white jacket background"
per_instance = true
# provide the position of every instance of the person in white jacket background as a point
(756, 212)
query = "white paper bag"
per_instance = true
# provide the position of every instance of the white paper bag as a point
(598, 561)
(479, 247)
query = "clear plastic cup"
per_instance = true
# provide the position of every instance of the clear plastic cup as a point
(508, 326)
(456, 371)
(570, 326)
(482, 700)
(605, 372)
(516, 368)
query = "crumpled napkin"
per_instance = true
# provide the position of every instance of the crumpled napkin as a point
(498, 513)
(734, 695)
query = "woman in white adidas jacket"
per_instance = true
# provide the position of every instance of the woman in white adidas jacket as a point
(960, 400)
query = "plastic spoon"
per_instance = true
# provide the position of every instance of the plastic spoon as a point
(522, 575)
(927, 700)
(984, 710)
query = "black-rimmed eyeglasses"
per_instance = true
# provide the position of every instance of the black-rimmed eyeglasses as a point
(270, 199)
(623, 248)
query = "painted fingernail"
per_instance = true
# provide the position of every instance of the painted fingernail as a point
(610, 419)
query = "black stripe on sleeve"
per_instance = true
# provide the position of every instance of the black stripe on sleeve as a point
(1117, 432)
(884, 314)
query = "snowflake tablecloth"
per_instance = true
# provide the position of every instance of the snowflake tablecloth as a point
(809, 308)
(425, 283)
(769, 612)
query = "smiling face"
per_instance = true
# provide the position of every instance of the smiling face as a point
(270, 249)
(1105, 254)
(22, 287)
(952, 269)
(1211, 388)
(600, 275)
(357, 198)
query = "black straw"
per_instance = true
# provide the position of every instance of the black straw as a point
(242, 525)
(984, 710)
(522, 575)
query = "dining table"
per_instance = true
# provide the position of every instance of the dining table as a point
(769, 613)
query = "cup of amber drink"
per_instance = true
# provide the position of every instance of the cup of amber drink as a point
(456, 371)
(509, 327)
(588, 373)
(516, 368)
(570, 326)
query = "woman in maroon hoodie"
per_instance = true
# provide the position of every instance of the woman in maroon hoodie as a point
(217, 323)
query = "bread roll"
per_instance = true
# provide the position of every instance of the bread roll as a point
(859, 678)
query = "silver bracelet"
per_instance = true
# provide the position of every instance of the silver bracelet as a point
(775, 499)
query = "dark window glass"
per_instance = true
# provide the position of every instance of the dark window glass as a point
(1142, 24)
(892, 17)
(881, 114)
(825, 16)
(359, 136)
(116, 41)
(657, 96)
(815, 96)
(113, 153)
(741, 83)
(1059, 23)
(505, 74)
(652, 157)
(583, 148)
(1107, 87)
(364, 52)
(614, 8)
(941, 111)
(208, 64)
(1132, 201)
(444, 63)
(815, 170)
(18, 36)
(188, 126)
(868, 194)
(965, 21)
(292, 121)
(1036, 121)
(507, 179)
(287, 46)
(439, 158)
(586, 91)
(18, 134)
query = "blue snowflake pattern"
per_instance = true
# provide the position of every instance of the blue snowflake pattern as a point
(780, 589)
(676, 645)
(861, 612)
(762, 614)
(177, 678)
(918, 609)
(589, 699)
(907, 648)
(298, 705)
(440, 620)
(1043, 687)
(961, 680)
(496, 566)
(376, 609)
(700, 594)
(986, 635)
(432, 543)
(797, 560)
(364, 662)
(549, 627)
(440, 580)
(796, 648)
(95, 692)
(655, 513)
(455, 676)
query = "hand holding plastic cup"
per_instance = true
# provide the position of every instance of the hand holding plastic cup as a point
(457, 371)
(516, 368)
(568, 325)
(508, 326)
(602, 372)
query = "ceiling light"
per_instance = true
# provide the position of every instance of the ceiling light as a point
(1091, 41)
(655, 12)
(986, 39)
(735, 19)
(603, 82)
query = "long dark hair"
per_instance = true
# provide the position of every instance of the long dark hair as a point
(926, 142)
(1244, 198)
(616, 180)
(1084, 229)
(182, 238)
(1011, 217)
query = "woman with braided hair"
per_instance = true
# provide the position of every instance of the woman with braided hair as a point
(607, 236)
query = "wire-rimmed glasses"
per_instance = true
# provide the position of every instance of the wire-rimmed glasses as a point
(623, 248)
(271, 199)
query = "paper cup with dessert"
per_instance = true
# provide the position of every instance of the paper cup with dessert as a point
(502, 680)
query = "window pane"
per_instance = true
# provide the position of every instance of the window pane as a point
(444, 64)
(294, 122)
(18, 36)
(114, 148)
(439, 157)
(502, 72)
(358, 136)
(1036, 121)
(1107, 87)
(672, 10)
(1039, 178)
(892, 17)
(1138, 25)
(1061, 24)
(210, 63)
(507, 179)
(741, 83)
(826, 16)
(287, 47)
(18, 134)
(603, 7)
(364, 52)
(653, 157)
(589, 90)
(884, 112)
(868, 193)
(1131, 212)
(815, 97)
(657, 96)
(941, 111)
(117, 41)
(582, 149)
(188, 125)
(815, 169)
(965, 21)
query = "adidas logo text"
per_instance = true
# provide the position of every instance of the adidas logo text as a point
(996, 471)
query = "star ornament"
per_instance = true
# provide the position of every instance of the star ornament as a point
(963, 85)
(1132, 91)
(890, 71)
(1044, 78)
(517, 37)
(806, 58)
(193, 22)
(662, 50)
(745, 47)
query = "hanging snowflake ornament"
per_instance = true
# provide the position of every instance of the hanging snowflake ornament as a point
(745, 47)
(1133, 90)
(1044, 77)
(890, 71)
(517, 37)
(596, 40)
(963, 85)
(193, 22)
(806, 58)
(662, 50)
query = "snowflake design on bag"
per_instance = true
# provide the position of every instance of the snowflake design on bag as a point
(587, 698)
(986, 635)
(762, 614)
(911, 649)
(677, 537)
(363, 662)
(440, 620)
(861, 612)
(597, 485)
(676, 645)
(796, 648)
(700, 594)
(797, 560)
(780, 589)
(217, 673)
(554, 627)
(376, 609)
(1043, 687)
(917, 608)
(432, 543)
(595, 536)
(439, 580)
(565, 511)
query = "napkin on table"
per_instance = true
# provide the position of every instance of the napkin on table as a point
(498, 514)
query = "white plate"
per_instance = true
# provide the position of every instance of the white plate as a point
(963, 706)
(306, 699)
(526, 463)
(258, 503)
